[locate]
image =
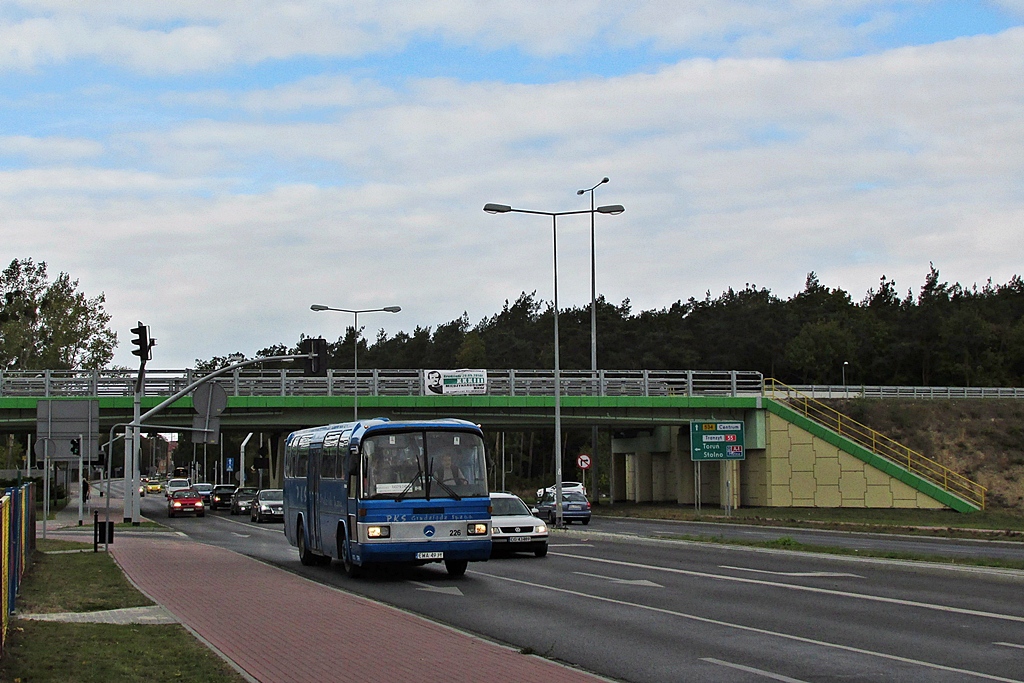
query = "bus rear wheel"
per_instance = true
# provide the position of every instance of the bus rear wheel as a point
(456, 568)
(305, 556)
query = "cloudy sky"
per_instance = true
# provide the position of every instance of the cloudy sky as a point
(214, 168)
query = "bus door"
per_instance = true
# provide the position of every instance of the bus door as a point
(354, 470)
(313, 495)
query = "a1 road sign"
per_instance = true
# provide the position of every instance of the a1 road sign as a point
(583, 461)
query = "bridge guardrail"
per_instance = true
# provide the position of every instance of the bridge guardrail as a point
(341, 382)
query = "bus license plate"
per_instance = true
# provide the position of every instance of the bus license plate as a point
(519, 539)
(430, 556)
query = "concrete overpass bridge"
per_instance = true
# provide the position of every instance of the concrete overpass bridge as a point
(800, 452)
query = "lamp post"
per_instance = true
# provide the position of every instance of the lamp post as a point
(593, 329)
(355, 356)
(614, 209)
(845, 393)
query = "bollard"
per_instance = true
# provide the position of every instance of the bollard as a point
(102, 532)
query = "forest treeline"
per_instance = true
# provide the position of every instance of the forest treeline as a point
(944, 335)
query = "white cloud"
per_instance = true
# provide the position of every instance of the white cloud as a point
(732, 171)
(183, 36)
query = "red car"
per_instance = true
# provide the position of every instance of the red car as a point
(185, 500)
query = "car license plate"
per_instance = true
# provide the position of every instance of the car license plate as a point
(518, 539)
(430, 556)
(574, 507)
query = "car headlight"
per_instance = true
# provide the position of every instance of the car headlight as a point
(177, 504)
(495, 530)
(476, 529)
(378, 532)
(541, 529)
(199, 504)
(264, 508)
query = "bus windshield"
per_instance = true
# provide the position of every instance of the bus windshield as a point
(423, 464)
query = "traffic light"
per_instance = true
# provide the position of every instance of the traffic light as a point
(143, 341)
(316, 364)
(76, 447)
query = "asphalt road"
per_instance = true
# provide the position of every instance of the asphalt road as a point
(650, 610)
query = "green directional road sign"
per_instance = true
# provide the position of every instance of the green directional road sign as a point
(716, 441)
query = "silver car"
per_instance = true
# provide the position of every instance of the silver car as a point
(514, 529)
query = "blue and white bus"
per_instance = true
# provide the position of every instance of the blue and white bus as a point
(378, 491)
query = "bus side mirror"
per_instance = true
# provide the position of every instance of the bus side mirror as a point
(353, 464)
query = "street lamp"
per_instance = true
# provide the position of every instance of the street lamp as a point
(593, 328)
(845, 393)
(613, 209)
(355, 355)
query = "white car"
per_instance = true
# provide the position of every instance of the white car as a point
(514, 529)
(176, 485)
(576, 486)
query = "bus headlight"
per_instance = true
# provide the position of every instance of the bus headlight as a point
(477, 529)
(378, 532)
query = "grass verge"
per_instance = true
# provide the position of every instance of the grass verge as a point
(44, 652)
(787, 543)
(947, 523)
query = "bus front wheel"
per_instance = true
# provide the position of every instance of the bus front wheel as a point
(305, 556)
(456, 568)
(352, 570)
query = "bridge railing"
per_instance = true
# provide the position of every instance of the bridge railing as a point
(838, 391)
(878, 443)
(342, 382)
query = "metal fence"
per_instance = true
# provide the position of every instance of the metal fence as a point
(18, 542)
(255, 382)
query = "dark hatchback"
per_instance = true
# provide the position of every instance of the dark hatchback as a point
(222, 494)
(241, 501)
(575, 507)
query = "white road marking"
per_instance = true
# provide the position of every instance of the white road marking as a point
(761, 631)
(630, 582)
(812, 575)
(250, 526)
(806, 589)
(571, 545)
(235, 533)
(1021, 647)
(752, 670)
(449, 590)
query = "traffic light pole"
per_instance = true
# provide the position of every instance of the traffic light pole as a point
(81, 481)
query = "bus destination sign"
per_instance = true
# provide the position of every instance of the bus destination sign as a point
(716, 441)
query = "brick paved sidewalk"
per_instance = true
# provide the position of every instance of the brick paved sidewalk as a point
(298, 630)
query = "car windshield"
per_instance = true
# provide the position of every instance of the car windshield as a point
(502, 506)
(177, 483)
(224, 488)
(423, 464)
(573, 496)
(272, 495)
(245, 493)
(185, 493)
(203, 488)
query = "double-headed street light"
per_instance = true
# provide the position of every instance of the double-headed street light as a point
(355, 355)
(593, 329)
(613, 209)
